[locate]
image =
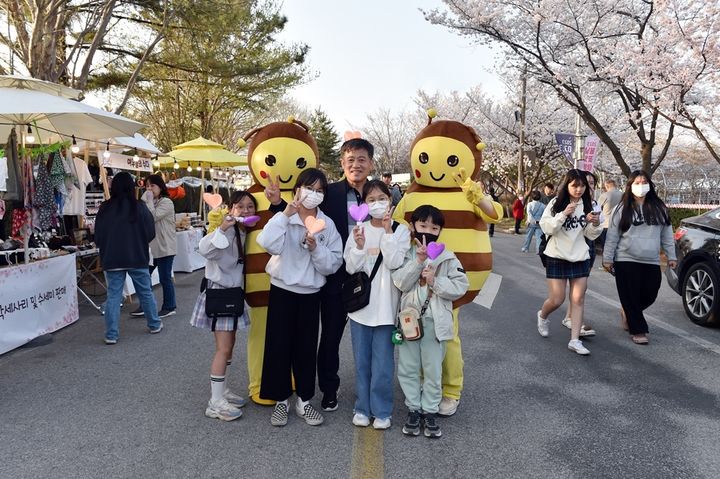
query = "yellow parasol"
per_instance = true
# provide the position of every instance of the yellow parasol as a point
(202, 152)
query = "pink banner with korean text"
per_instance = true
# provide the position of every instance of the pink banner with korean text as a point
(592, 145)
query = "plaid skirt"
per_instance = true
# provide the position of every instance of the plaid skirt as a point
(224, 323)
(561, 269)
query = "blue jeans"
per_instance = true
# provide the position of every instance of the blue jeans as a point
(143, 288)
(374, 367)
(532, 230)
(164, 266)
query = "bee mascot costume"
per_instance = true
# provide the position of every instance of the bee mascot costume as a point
(277, 154)
(440, 157)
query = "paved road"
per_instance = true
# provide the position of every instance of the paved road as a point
(531, 408)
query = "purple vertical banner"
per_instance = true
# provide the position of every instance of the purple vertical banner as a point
(592, 143)
(566, 143)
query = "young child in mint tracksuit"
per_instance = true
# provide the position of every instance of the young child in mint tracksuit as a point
(435, 283)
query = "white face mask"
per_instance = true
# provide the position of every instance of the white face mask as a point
(640, 189)
(378, 209)
(311, 199)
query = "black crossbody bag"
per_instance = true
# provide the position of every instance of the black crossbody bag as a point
(223, 302)
(356, 288)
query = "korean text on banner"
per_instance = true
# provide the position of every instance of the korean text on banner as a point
(592, 144)
(38, 298)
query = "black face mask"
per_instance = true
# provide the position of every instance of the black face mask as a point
(429, 237)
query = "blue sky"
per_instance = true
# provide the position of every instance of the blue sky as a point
(377, 53)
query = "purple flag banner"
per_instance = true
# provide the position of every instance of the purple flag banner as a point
(592, 143)
(566, 142)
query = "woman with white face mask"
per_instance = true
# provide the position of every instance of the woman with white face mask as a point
(639, 228)
(305, 247)
(371, 327)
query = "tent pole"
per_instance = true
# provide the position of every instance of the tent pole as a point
(201, 207)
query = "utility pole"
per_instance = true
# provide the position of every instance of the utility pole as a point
(521, 164)
(579, 143)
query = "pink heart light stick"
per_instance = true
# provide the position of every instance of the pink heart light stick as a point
(434, 249)
(359, 212)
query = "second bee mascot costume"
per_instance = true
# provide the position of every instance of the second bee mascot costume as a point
(440, 156)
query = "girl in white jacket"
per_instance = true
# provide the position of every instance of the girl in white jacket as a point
(303, 254)
(223, 247)
(372, 326)
(567, 220)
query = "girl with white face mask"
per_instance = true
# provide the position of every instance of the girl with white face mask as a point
(305, 247)
(371, 327)
(639, 228)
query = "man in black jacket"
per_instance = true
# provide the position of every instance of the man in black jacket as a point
(356, 158)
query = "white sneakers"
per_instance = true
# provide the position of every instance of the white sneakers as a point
(543, 325)
(585, 330)
(223, 410)
(448, 406)
(577, 346)
(361, 420)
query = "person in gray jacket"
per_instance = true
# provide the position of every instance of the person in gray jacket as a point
(639, 228)
(428, 286)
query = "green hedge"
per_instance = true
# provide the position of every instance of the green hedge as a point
(676, 214)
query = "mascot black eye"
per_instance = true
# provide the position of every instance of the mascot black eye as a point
(453, 160)
(301, 163)
(270, 160)
(424, 158)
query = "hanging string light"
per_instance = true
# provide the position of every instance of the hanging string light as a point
(29, 138)
(189, 168)
(136, 158)
(212, 170)
(106, 153)
(175, 164)
(156, 162)
(197, 168)
(74, 148)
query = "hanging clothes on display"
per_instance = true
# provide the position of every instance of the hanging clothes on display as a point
(75, 204)
(14, 183)
(57, 179)
(43, 203)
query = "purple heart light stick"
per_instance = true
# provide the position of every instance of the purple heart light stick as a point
(434, 249)
(359, 212)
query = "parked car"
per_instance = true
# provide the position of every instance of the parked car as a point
(696, 278)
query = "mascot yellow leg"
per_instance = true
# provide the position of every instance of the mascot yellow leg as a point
(255, 353)
(452, 368)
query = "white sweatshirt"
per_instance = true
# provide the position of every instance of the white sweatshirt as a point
(568, 233)
(221, 251)
(293, 267)
(384, 296)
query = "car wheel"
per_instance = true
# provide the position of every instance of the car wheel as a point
(701, 294)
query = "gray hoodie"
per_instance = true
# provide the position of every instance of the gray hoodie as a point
(639, 244)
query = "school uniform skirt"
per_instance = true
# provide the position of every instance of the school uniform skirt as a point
(561, 269)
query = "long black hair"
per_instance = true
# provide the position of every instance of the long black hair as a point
(236, 197)
(122, 190)
(654, 211)
(563, 195)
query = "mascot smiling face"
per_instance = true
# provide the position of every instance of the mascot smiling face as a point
(281, 149)
(441, 149)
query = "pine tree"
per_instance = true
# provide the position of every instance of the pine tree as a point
(327, 140)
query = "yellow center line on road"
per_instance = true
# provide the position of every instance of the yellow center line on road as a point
(367, 454)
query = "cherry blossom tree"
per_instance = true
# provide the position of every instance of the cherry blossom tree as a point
(652, 61)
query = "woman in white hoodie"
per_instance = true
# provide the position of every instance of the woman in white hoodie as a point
(567, 220)
(303, 254)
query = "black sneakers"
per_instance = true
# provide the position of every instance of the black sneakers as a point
(329, 402)
(412, 425)
(432, 430)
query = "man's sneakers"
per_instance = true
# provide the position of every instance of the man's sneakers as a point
(543, 325)
(360, 420)
(138, 312)
(585, 331)
(110, 341)
(577, 346)
(308, 412)
(412, 424)
(164, 313)
(329, 402)
(448, 406)
(222, 410)
(432, 430)
(280, 414)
